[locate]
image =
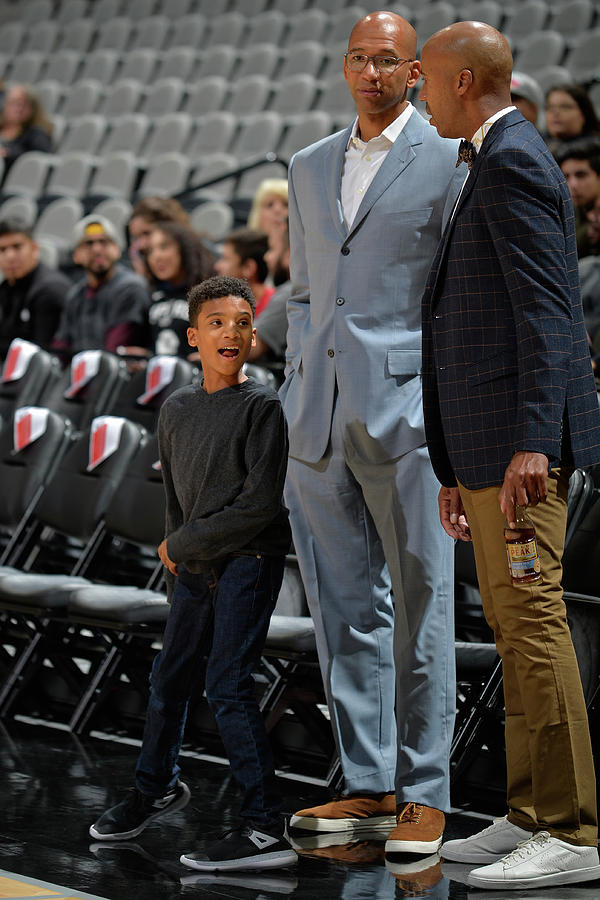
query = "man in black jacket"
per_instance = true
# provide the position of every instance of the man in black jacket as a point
(32, 294)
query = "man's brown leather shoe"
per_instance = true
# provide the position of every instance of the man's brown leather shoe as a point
(352, 813)
(419, 829)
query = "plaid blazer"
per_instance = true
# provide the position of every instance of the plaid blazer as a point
(506, 364)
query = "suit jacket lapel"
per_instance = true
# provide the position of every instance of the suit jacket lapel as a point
(400, 155)
(490, 139)
(333, 161)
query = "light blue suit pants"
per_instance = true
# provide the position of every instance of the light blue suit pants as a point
(361, 527)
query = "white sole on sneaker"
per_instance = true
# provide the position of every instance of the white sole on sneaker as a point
(425, 847)
(261, 861)
(571, 876)
(471, 859)
(376, 823)
(127, 835)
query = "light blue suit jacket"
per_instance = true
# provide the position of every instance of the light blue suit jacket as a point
(355, 310)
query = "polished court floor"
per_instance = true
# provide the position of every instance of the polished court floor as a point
(53, 785)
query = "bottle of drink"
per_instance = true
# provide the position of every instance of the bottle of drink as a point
(521, 548)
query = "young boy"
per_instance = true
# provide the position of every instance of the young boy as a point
(223, 450)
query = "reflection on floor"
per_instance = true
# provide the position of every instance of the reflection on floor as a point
(53, 786)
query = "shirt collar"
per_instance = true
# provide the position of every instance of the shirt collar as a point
(477, 139)
(389, 134)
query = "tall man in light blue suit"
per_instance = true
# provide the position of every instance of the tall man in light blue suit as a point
(367, 209)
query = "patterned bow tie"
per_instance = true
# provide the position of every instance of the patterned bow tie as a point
(466, 153)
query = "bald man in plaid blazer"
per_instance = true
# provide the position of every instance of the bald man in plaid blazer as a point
(510, 407)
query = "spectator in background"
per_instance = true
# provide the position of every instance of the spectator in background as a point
(144, 216)
(32, 294)
(580, 164)
(526, 95)
(108, 308)
(177, 259)
(243, 256)
(570, 115)
(271, 330)
(270, 207)
(23, 124)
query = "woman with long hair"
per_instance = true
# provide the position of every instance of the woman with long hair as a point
(177, 258)
(24, 125)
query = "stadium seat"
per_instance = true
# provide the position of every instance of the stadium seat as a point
(152, 33)
(217, 59)
(294, 94)
(188, 31)
(525, 20)
(84, 97)
(251, 7)
(214, 218)
(261, 59)
(70, 175)
(176, 9)
(169, 134)
(85, 134)
(142, 396)
(489, 11)
(258, 134)
(12, 35)
(57, 222)
(215, 166)
(122, 97)
(583, 60)
(139, 9)
(227, 28)
(308, 25)
(433, 17)
(207, 95)
(544, 48)
(266, 27)
(305, 58)
(63, 66)
(335, 97)
(36, 11)
(292, 7)
(22, 208)
(27, 372)
(101, 65)
(78, 35)
(50, 93)
(114, 34)
(572, 18)
(303, 130)
(341, 24)
(71, 10)
(41, 36)
(163, 96)
(549, 76)
(103, 10)
(166, 174)
(178, 62)
(127, 133)
(115, 176)
(138, 64)
(26, 67)
(28, 175)
(249, 95)
(212, 7)
(250, 180)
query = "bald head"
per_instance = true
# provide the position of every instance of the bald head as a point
(481, 49)
(389, 25)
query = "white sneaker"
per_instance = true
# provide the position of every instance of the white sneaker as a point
(487, 846)
(542, 860)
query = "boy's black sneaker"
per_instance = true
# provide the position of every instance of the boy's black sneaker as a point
(246, 847)
(130, 817)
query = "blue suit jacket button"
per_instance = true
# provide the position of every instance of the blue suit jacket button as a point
(330, 352)
(345, 251)
(340, 301)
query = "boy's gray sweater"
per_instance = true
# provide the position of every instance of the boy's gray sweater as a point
(224, 459)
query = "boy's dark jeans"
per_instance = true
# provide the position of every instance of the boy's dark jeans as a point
(224, 616)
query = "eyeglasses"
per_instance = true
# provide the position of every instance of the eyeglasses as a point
(356, 62)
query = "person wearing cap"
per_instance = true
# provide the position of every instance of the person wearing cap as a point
(32, 293)
(527, 96)
(108, 308)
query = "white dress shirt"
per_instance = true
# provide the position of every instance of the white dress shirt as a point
(363, 160)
